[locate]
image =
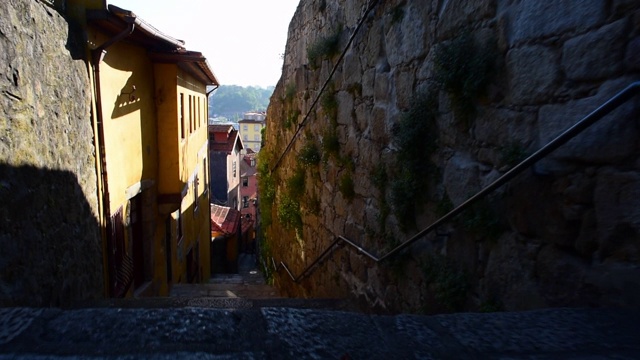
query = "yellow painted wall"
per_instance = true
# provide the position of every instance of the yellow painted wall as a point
(166, 97)
(129, 119)
(251, 134)
(182, 153)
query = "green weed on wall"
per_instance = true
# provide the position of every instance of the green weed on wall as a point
(464, 70)
(324, 48)
(415, 136)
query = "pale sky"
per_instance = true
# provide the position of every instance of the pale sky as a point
(242, 39)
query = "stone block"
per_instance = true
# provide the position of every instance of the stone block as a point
(455, 15)
(617, 208)
(539, 19)
(611, 139)
(378, 125)
(533, 72)
(508, 274)
(345, 108)
(352, 71)
(560, 277)
(595, 55)
(461, 178)
(408, 39)
(382, 88)
(368, 82)
(499, 127)
(632, 56)
(404, 84)
(374, 45)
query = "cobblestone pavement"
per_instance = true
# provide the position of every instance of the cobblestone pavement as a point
(289, 333)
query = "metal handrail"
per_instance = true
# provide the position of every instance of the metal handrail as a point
(299, 127)
(604, 109)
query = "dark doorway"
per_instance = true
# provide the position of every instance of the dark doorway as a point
(167, 248)
(137, 239)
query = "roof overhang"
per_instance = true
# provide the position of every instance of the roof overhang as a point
(190, 61)
(162, 47)
(114, 20)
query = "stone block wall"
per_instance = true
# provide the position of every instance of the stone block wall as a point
(564, 233)
(50, 247)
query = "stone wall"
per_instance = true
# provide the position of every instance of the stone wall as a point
(564, 233)
(50, 248)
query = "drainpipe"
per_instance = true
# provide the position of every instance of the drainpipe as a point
(97, 55)
(210, 91)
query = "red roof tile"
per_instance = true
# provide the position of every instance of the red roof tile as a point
(225, 219)
(226, 146)
(220, 128)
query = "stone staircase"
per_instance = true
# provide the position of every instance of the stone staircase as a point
(289, 333)
(239, 317)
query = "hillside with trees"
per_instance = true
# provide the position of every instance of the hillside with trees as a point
(231, 101)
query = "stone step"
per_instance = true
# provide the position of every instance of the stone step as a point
(224, 290)
(216, 303)
(290, 333)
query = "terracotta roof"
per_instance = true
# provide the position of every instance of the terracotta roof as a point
(228, 145)
(224, 219)
(226, 128)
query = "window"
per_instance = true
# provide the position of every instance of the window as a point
(256, 137)
(199, 118)
(245, 202)
(245, 137)
(256, 127)
(205, 175)
(195, 194)
(180, 234)
(233, 169)
(190, 114)
(181, 112)
(253, 162)
(245, 181)
(245, 127)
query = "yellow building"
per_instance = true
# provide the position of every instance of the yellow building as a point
(150, 121)
(251, 130)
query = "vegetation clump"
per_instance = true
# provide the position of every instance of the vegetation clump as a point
(481, 220)
(266, 187)
(415, 136)
(397, 14)
(450, 284)
(289, 213)
(289, 93)
(291, 118)
(346, 186)
(463, 69)
(329, 105)
(309, 155)
(296, 184)
(324, 48)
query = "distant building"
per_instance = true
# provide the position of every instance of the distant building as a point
(248, 198)
(225, 235)
(251, 130)
(225, 147)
